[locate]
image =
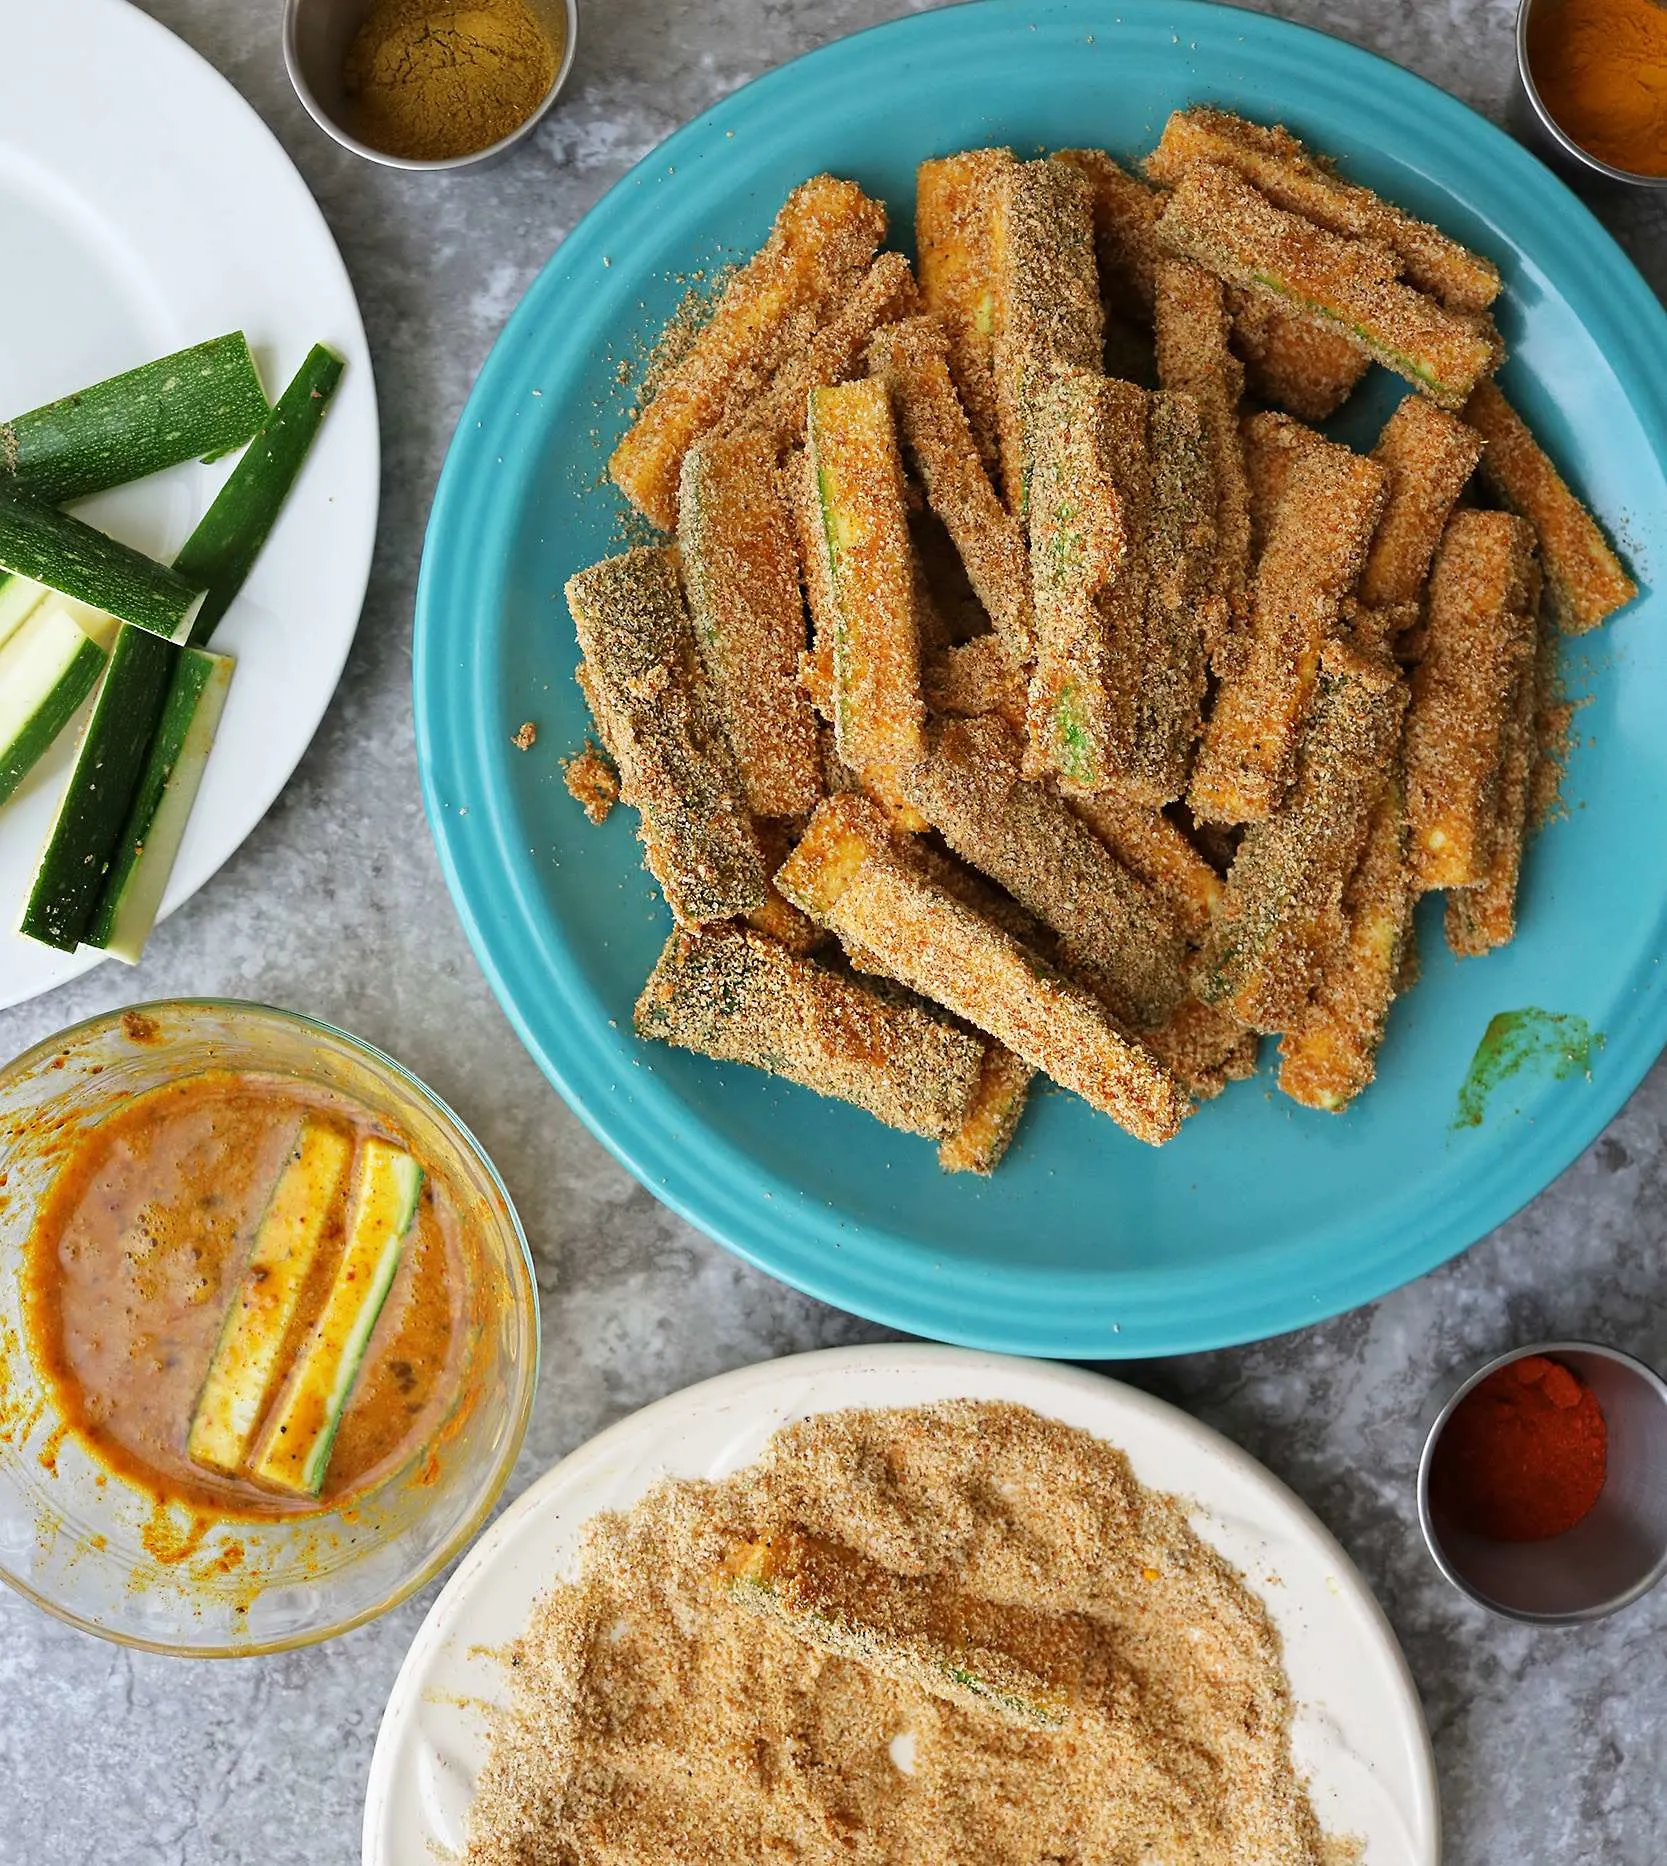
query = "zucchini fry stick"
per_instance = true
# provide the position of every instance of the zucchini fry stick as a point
(1429, 455)
(1481, 636)
(832, 353)
(912, 360)
(1281, 916)
(1318, 540)
(735, 995)
(1126, 213)
(1014, 1663)
(1272, 160)
(1332, 1054)
(1155, 851)
(1584, 580)
(1048, 311)
(955, 206)
(1194, 359)
(740, 571)
(978, 1144)
(659, 720)
(1272, 444)
(1347, 286)
(848, 875)
(1023, 836)
(1086, 526)
(861, 578)
(1481, 918)
(1180, 561)
(1296, 366)
(1203, 1047)
(825, 232)
(974, 678)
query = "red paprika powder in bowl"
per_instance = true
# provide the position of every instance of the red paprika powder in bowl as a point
(1542, 1491)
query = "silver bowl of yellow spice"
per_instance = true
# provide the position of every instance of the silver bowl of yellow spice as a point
(429, 84)
(1592, 88)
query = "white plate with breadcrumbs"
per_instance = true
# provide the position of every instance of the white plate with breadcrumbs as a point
(1359, 1735)
(144, 207)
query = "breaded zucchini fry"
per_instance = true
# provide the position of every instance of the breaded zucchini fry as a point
(1086, 524)
(1111, 928)
(1428, 455)
(1320, 532)
(849, 875)
(1151, 847)
(1296, 366)
(1584, 580)
(733, 994)
(1194, 359)
(778, 918)
(1203, 1047)
(825, 232)
(833, 353)
(1180, 562)
(1272, 160)
(1125, 241)
(974, 678)
(1272, 445)
(978, 1144)
(1048, 310)
(1481, 637)
(659, 720)
(1281, 916)
(1483, 917)
(912, 360)
(740, 571)
(862, 580)
(1332, 1054)
(1347, 286)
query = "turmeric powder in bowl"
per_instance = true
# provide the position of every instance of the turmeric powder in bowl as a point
(431, 80)
(1600, 67)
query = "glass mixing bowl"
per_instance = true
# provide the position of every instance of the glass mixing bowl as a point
(111, 1559)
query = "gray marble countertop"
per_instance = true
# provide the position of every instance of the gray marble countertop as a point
(1552, 1745)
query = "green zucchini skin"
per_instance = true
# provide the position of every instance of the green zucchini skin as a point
(70, 875)
(150, 839)
(61, 664)
(197, 402)
(221, 552)
(56, 549)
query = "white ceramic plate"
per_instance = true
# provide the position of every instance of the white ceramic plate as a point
(143, 207)
(1359, 1734)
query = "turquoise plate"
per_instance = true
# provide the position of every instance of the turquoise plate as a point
(1261, 1216)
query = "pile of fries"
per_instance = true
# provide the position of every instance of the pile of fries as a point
(1134, 714)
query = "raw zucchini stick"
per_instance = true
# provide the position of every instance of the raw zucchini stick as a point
(734, 995)
(1048, 312)
(1483, 917)
(1151, 847)
(57, 549)
(1321, 530)
(973, 678)
(1331, 1055)
(1348, 286)
(1086, 527)
(1194, 358)
(1009, 1662)
(1125, 232)
(1296, 366)
(245, 1371)
(1429, 455)
(862, 579)
(70, 875)
(1203, 1047)
(194, 404)
(658, 718)
(1281, 916)
(832, 353)
(19, 598)
(1276, 163)
(294, 1450)
(848, 875)
(1585, 581)
(827, 230)
(954, 215)
(47, 668)
(150, 838)
(1024, 837)
(1180, 561)
(912, 360)
(735, 537)
(221, 552)
(987, 1131)
(1481, 636)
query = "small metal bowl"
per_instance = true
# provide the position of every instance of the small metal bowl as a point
(317, 34)
(1610, 1558)
(1535, 125)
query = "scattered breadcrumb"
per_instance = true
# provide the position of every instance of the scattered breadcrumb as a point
(593, 781)
(525, 737)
